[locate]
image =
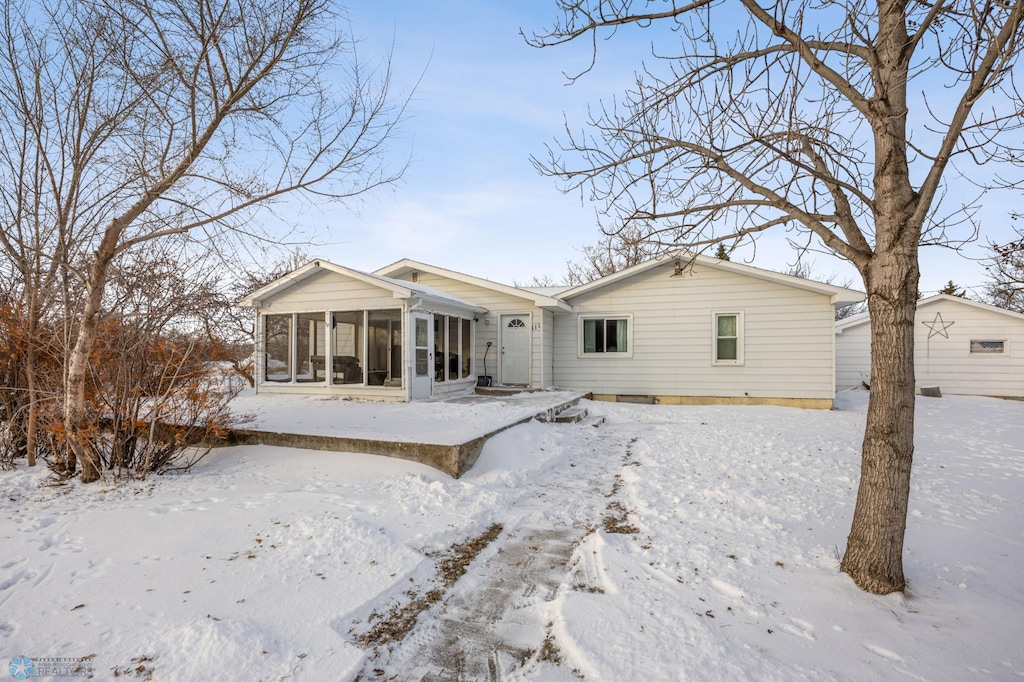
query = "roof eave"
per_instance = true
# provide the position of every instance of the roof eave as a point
(407, 265)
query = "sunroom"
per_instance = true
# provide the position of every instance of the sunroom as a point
(333, 330)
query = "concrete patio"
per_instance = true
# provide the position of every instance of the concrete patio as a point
(445, 434)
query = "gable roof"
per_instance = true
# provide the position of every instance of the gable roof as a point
(859, 319)
(399, 289)
(839, 296)
(407, 266)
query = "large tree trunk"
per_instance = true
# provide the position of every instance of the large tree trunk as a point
(76, 426)
(75, 423)
(874, 550)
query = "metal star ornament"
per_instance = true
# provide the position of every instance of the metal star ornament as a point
(938, 327)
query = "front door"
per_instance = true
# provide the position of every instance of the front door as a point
(515, 349)
(422, 363)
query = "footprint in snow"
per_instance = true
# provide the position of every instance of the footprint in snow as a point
(800, 628)
(884, 653)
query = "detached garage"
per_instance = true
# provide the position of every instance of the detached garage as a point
(961, 346)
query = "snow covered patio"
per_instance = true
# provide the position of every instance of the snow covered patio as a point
(446, 434)
(672, 543)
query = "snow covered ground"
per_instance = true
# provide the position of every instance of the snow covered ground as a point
(672, 543)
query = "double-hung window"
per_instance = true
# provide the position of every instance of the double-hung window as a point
(727, 342)
(606, 335)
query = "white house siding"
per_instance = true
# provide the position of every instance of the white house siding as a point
(787, 338)
(548, 348)
(948, 362)
(497, 303)
(853, 357)
(328, 290)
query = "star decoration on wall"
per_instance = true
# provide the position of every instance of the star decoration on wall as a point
(938, 327)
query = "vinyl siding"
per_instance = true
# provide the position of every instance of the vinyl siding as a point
(548, 349)
(948, 362)
(329, 291)
(787, 338)
(853, 357)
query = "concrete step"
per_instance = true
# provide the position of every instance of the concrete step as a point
(594, 421)
(500, 390)
(573, 415)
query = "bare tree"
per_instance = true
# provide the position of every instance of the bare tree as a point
(36, 244)
(1005, 287)
(224, 320)
(815, 117)
(154, 118)
(537, 281)
(157, 394)
(804, 269)
(617, 250)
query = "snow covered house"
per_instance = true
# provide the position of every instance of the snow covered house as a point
(672, 330)
(963, 347)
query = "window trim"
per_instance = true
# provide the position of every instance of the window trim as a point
(740, 345)
(628, 317)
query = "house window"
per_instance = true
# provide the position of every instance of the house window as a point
(728, 338)
(605, 335)
(988, 346)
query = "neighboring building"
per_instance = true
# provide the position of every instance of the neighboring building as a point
(963, 347)
(689, 330)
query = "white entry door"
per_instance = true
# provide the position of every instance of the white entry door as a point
(515, 349)
(422, 358)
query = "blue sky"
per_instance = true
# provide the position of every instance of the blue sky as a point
(470, 200)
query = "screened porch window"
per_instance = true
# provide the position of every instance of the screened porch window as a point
(452, 347)
(310, 345)
(384, 346)
(277, 365)
(347, 363)
(343, 347)
(467, 356)
(606, 335)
